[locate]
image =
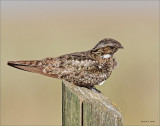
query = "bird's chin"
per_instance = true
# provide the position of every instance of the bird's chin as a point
(112, 54)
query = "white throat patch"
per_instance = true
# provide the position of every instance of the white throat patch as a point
(106, 56)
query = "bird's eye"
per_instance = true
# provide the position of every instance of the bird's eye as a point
(111, 47)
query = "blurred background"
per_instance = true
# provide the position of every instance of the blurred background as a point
(38, 29)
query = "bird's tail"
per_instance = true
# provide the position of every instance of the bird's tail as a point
(31, 66)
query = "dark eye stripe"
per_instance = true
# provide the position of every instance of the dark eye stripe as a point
(111, 47)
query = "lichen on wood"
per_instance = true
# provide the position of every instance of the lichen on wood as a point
(84, 107)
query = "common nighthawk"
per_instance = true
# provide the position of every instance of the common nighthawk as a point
(86, 68)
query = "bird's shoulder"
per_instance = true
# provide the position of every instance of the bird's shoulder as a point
(78, 59)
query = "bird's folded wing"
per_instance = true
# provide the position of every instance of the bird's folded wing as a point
(70, 65)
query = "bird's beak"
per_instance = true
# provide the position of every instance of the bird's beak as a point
(121, 47)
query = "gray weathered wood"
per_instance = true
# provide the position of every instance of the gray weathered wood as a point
(84, 107)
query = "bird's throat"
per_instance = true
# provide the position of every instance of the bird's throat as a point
(106, 56)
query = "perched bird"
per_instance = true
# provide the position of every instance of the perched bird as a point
(85, 69)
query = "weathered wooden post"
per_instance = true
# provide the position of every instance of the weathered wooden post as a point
(83, 107)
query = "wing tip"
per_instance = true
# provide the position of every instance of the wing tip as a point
(11, 63)
(15, 65)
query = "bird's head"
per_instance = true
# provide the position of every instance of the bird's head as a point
(107, 47)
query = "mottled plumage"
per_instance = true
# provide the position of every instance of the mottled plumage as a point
(87, 68)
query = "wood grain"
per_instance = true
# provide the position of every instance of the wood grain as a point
(84, 107)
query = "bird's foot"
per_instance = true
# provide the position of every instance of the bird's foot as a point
(94, 89)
